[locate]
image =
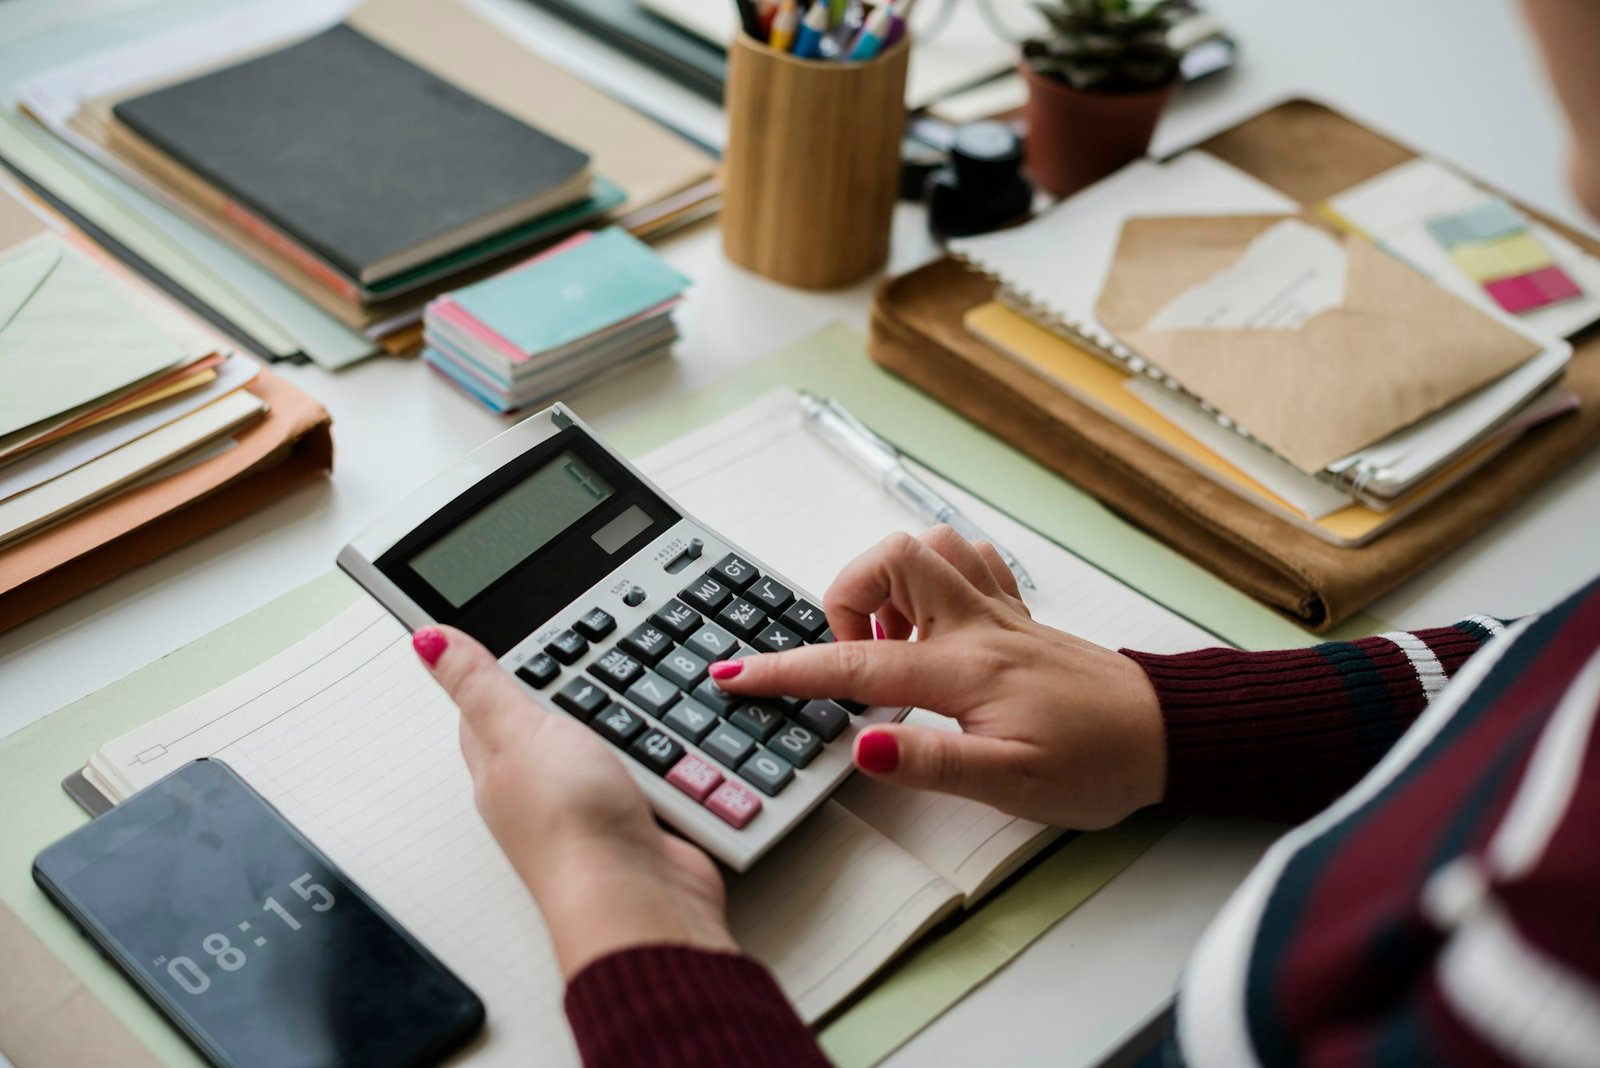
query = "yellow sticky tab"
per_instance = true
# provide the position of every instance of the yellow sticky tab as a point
(1504, 257)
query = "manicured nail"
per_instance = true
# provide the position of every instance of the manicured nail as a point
(877, 629)
(726, 669)
(878, 751)
(430, 644)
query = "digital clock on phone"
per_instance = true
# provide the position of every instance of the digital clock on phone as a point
(249, 939)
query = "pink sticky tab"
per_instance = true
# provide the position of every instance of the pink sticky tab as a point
(695, 777)
(734, 804)
(1555, 283)
(1525, 292)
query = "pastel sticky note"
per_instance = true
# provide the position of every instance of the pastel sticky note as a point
(1489, 220)
(1502, 257)
(1533, 290)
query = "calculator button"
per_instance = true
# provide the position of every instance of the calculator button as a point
(736, 572)
(823, 717)
(677, 619)
(695, 777)
(790, 705)
(682, 667)
(634, 597)
(616, 669)
(690, 719)
(707, 593)
(757, 719)
(767, 772)
(806, 618)
(825, 636)
(742, 617)
(618, 724)
(652, 693)
(595, 624)
(656, 751)
(712, 642)
(647, 643)
(771, 595)
(776, 639)
(796, 745)
(567, 646)
(728, 745)
(540, 671)
(736, 805)
(582, 698)
(715, 697)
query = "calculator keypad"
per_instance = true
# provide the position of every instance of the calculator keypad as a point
(723, 751)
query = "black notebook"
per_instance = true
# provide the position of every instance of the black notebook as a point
(360, 156)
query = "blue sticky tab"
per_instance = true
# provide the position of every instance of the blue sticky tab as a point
(1489, 220)
(609, 278)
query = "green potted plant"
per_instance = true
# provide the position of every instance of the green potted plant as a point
(1098, 79)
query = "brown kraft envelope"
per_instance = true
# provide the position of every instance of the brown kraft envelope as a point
(1400, 347)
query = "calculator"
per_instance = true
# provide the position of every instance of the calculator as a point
(608, 601)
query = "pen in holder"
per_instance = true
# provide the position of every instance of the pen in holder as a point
(812, 165)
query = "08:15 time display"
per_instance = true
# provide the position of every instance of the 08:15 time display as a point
(229, 957)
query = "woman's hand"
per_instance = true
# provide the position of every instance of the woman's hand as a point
(573, 824)
(1053, 728)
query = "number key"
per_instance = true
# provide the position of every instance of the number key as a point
(656, 751)
(728, 745)
(807, 618)
(757, 719)
(616, 669)
(736, 572)
(582, 698)
(690, 719)
(595, 624)
(796, 745)
(712, 642)
(647, 643)
(653, 693)
(618, 724)
(767, 772)
(540, 671)
(567, 646)
(775, 639)
(677, 619)
(707, 593)
(682, 667)
(771, 595)
(715, 697)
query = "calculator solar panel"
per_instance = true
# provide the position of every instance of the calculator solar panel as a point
(609, 603)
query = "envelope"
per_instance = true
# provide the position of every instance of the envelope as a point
(67, 335)
(1397, 348)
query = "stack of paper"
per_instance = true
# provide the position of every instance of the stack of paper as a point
(101, 387)
(593, 303)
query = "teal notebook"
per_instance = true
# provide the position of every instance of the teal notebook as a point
(554, 302)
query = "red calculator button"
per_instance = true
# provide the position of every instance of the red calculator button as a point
(734, 804)
(695, 777)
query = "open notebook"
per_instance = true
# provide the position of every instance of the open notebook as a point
(350, 738)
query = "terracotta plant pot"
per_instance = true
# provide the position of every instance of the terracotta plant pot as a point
(1075, 138)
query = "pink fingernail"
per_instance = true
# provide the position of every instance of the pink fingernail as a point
(878, 751)
(726, 669)
(877, 629)
(430, 644)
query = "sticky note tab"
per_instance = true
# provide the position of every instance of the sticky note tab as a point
(1533, 290)
(1489, 220)
(1503, 257)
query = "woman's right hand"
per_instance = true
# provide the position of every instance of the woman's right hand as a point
(1053, 728)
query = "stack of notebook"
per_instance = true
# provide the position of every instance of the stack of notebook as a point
(1324, 372)
(596, 302)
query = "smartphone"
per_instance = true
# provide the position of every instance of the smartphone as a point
(247, 937)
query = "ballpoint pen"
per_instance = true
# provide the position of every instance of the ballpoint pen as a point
(834, 424)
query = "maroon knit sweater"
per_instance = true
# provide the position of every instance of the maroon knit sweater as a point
(1277, 735)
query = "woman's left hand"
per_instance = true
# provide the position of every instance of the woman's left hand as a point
(574, 825)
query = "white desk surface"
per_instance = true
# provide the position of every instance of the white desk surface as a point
(1459, 78)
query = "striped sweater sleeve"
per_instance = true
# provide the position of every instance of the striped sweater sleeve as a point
(1278, 735)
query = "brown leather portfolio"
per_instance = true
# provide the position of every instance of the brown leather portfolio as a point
(291, 444)
(1310, 152)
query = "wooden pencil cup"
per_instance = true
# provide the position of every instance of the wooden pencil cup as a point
(812, 166)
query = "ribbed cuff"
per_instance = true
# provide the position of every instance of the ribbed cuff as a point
(1278, 735)
(667, 1006)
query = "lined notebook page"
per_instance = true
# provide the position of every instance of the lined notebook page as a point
(777, 489)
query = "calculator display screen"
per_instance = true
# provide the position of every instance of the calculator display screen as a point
(527, 517)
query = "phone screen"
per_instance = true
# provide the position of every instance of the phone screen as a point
(247, 936)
